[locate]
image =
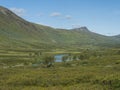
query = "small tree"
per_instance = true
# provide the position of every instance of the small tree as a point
(48, 60)
(64, 58)
(81, 57)
(74, 57)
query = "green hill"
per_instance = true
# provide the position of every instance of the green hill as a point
(16, 32)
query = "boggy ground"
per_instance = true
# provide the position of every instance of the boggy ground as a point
(101, 71)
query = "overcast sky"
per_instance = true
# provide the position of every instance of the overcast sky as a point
(100, 16)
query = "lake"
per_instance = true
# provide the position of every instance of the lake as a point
(58, 57)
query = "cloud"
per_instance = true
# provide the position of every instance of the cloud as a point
(76, 26)
(68, 17)
(55, 14)
(58, 14)
(18, 11)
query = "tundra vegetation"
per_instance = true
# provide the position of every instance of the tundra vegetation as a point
(84, 69)
(91, 61)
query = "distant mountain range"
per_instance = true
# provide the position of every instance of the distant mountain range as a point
(16, 32)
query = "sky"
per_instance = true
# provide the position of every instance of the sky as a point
(100, 16)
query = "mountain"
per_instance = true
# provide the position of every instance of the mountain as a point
(117, 36)
(16, 32)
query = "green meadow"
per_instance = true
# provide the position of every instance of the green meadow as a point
(97, 69)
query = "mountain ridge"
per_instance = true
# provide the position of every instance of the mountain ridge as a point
(17, 32)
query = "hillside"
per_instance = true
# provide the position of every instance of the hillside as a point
(117, 36)
(16, 32)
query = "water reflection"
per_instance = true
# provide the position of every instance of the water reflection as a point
(58, 58)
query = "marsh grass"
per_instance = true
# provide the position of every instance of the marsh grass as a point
(97, 71)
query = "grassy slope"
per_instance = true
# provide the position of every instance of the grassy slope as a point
(16, 32)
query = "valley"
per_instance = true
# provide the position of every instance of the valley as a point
(39, 57)
(95, 69)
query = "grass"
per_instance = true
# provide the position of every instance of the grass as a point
(98, 72)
